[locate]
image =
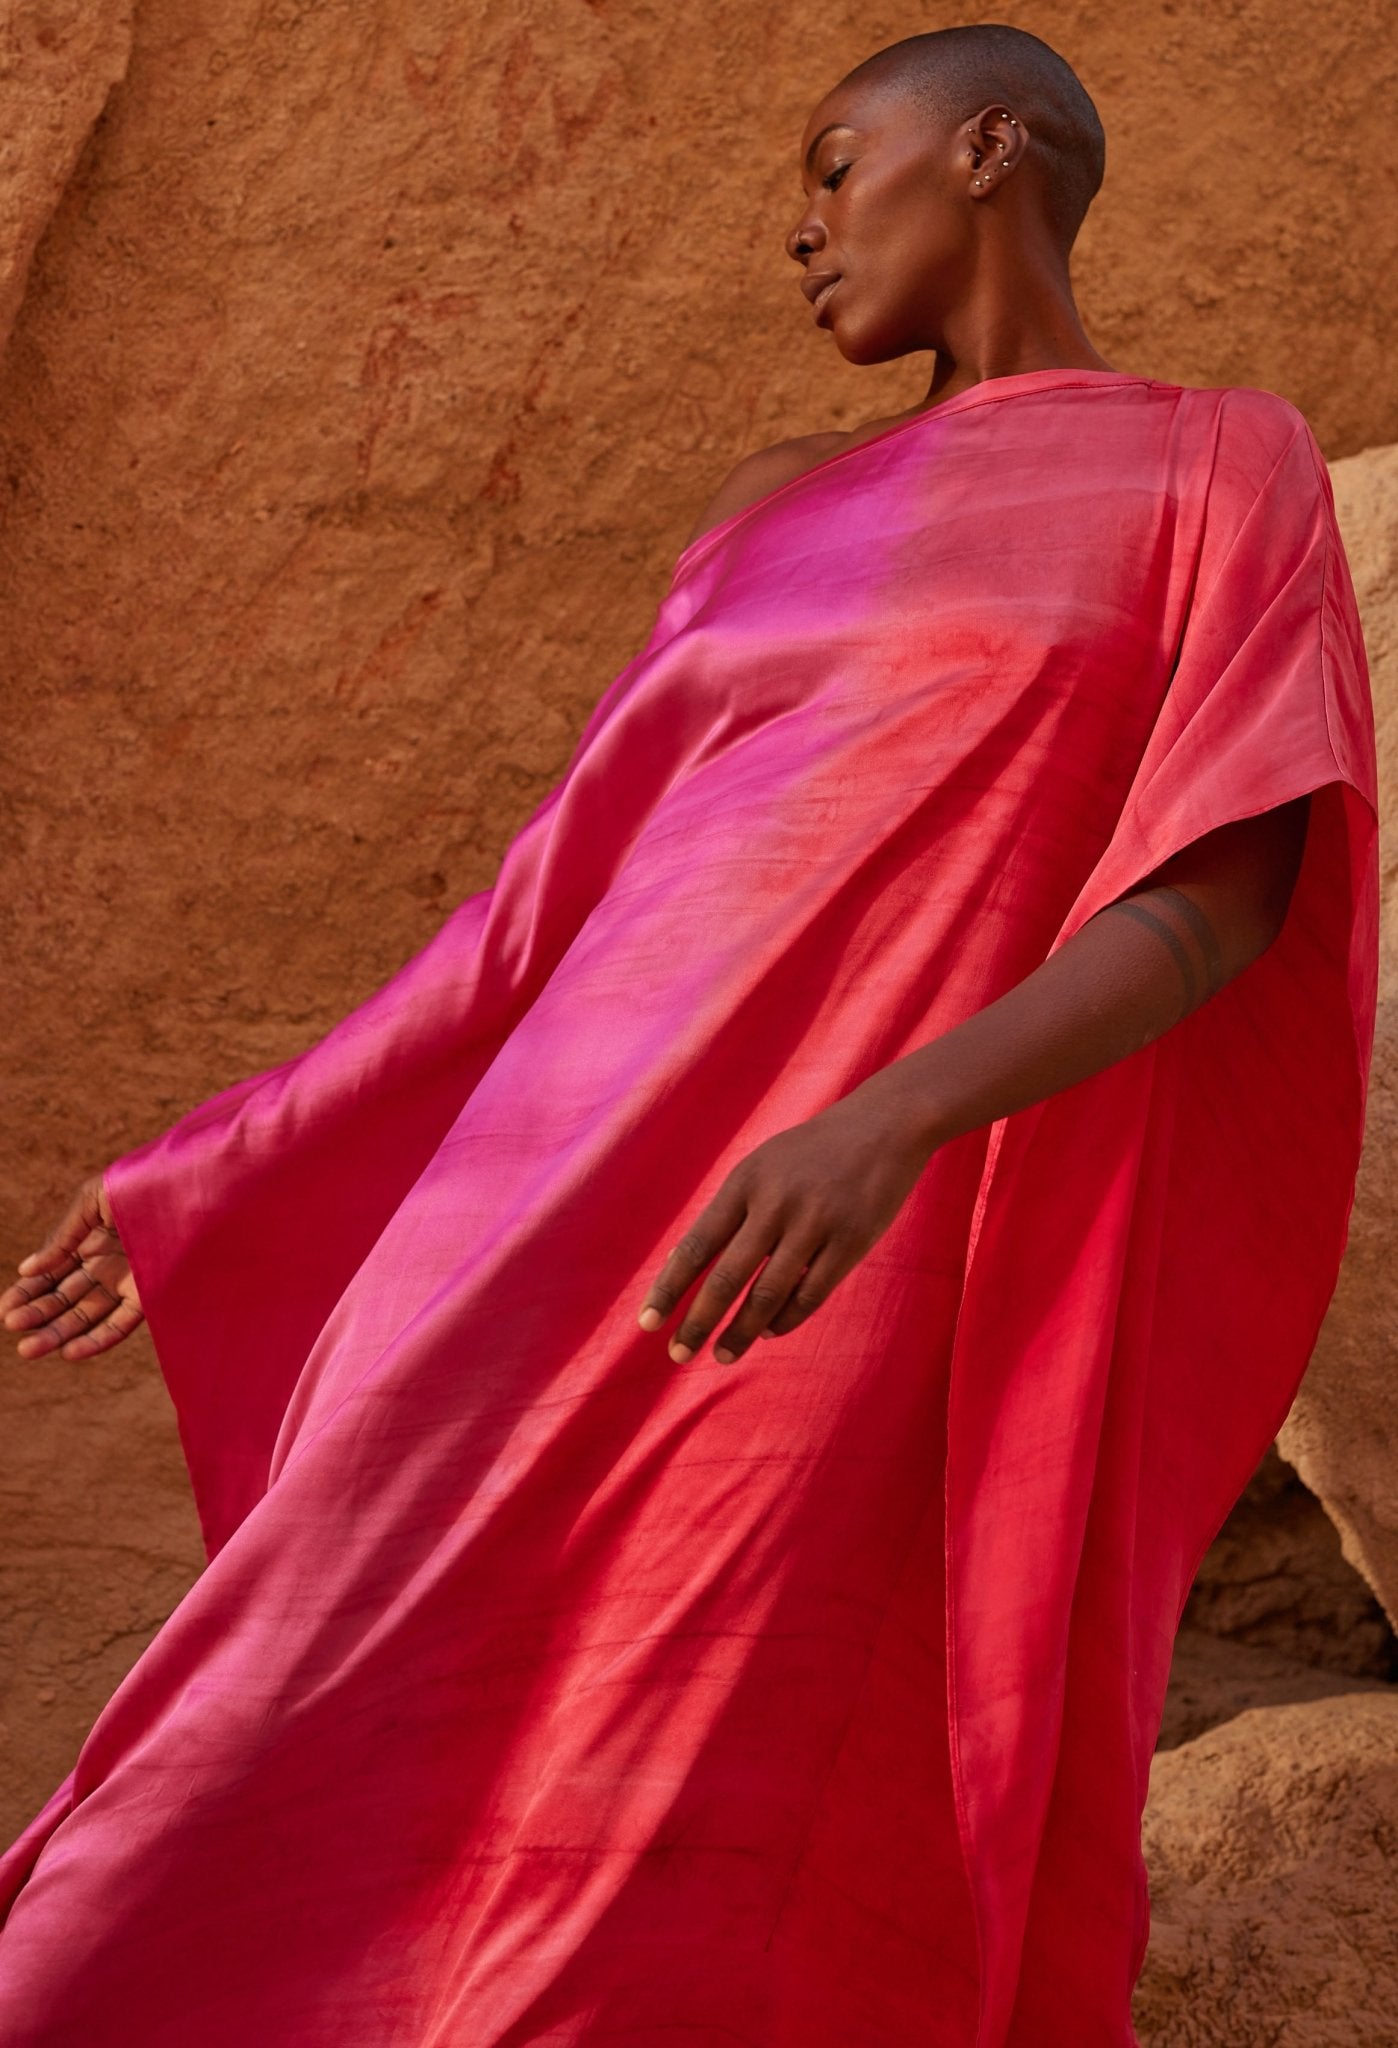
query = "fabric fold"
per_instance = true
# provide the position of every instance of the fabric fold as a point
(540, 1690)
(1252, 1151)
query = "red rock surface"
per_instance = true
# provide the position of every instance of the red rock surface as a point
(59, 59)
(369, 365)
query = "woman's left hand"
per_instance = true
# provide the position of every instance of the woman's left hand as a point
(810, 1202)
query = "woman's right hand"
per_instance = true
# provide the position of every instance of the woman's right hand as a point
(76, 1294)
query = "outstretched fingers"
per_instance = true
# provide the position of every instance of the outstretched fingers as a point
(39, 1295)
(75, 1295)
(76, 1313)
(724, 1231)
(100, 1335)
(789, 1267)
(762, 1253)
(787, 1275)
(813, 1287)
(82, 1233)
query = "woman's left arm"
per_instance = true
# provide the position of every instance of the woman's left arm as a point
(811, 1201)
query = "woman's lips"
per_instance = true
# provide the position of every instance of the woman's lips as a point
(822, 299)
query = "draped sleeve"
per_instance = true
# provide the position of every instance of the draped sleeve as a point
(1269, 694)
(1154, 1249)
(245, 1221)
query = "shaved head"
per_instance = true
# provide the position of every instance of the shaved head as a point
(953, 73)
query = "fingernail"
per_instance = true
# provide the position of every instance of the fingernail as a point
(681, 1353)
(30, 1259)
(650, 1319)
(725, 1356)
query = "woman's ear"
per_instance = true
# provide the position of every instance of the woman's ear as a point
(991, 144)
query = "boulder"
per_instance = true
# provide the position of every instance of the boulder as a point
(1213, 1679)
(1271, 1845)
(1276, 1579)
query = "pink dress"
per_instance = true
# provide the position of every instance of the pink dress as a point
(539, 1690)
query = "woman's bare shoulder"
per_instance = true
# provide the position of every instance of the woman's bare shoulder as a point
(763, 471)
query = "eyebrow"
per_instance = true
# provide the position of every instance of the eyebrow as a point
(828, 129)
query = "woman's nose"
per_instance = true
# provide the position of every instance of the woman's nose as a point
(805, 238)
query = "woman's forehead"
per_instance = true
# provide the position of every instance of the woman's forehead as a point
(876, 103)
(847, 105)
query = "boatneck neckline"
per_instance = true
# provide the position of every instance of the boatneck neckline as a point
(989, 391)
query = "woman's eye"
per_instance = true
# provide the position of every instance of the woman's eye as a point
(832, 182)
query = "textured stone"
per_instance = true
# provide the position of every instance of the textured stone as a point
(1276, 1614)
(1342, 1433)
(1270, 1844)
(59, 59)
(375, 362)
(1276, 1579)
(1213, 1679)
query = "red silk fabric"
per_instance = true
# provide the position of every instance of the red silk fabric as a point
(539, 1690)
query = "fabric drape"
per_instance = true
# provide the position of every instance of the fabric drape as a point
(541, 1690)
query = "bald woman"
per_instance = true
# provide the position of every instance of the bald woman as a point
(948, 956)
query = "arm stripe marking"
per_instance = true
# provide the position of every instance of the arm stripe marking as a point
(1162, 930)
(1203, 932)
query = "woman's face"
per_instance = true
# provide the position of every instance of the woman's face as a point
(890, 213)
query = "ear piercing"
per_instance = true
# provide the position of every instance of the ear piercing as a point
(1004, 167)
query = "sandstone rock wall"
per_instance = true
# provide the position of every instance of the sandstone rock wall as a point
(59, 60)
(368, 362)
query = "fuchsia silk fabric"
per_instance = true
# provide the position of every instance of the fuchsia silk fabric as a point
(540, 1690)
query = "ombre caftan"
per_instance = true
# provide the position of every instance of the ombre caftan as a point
(540, 1690)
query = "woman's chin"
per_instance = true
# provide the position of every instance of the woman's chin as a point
(857, 345)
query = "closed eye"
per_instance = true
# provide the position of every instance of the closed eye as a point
(834, 178)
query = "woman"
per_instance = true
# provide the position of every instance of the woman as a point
(966, 901)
